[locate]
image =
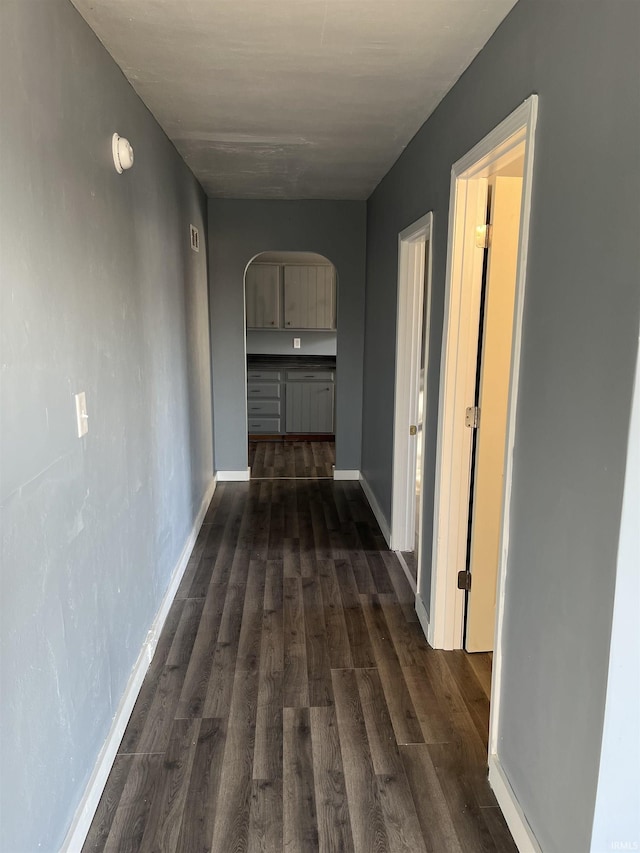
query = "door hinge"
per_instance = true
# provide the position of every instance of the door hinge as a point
(464, 580)
(483, 236)
(472, 417)
(413, 429)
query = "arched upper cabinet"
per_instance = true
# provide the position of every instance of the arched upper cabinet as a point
(290, 290)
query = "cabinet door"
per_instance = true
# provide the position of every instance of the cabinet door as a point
(262, 290)
(309, 407)
(309, 297)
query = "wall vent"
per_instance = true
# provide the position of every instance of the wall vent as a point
(195, 238)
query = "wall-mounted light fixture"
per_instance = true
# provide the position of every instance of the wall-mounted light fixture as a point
(122, 153)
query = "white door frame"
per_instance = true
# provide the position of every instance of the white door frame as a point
(414, 284)
(457, 385)
(458, 371)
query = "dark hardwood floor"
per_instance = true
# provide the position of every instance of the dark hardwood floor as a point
(291, 459)
(410, 559)
(293, 703)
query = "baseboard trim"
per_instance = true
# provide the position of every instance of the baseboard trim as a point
(522, 833)
(234, 476)
(375, 509)
(86, 810)
(345, 474)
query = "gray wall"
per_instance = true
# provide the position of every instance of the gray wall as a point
(578, 356)
(281, 343)
(100, 293)
(239, 230)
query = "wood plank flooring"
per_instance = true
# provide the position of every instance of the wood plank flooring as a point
(270, 460)
(293, 704)
(410, 559)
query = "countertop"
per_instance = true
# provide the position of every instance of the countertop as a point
(305, 362)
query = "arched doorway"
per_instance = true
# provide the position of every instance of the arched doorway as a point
(291, 350)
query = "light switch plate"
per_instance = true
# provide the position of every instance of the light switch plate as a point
(296, 343)
(82, 418)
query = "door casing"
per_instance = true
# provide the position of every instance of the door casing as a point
(414, 286)
(444, 624)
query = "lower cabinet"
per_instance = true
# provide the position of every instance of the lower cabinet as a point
(309, 407)
(264, 392)
(292, 401)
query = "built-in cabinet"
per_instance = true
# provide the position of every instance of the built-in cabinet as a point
(263, 290)
(290, 296)
(309, 401)
(309, 297)
(290, 400)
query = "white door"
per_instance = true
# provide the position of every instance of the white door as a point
(412, 345)
(493, 395)
(421, 396)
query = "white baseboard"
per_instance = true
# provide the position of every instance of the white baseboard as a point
(375, 509)
(345, 474)
(423, 619)
(90, 799)
(522, 833)
(234, 476)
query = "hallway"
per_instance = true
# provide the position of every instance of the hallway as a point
(293, 703)
(287, 460)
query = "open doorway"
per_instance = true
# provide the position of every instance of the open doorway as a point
(291, 346)
(412, 347)
(487, 418)
(505, 154)
(484, 300)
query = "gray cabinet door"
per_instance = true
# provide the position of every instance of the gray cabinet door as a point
(309, 407)
(309, 297)
(262, 292)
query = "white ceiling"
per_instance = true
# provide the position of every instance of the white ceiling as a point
(292, 98)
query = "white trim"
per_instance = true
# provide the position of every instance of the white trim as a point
(345, 474)
(86, 810)
(457, 377)
(457, 386)
(375, 509)
(234, 476)
(405, 568)
(502, 139)
(523, 250)
(412, 286)
(522, 833)
(244, 356)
